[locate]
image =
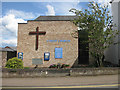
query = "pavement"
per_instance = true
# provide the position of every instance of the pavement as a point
(105, 81)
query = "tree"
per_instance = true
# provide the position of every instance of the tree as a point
(98, 24)
(14, 63)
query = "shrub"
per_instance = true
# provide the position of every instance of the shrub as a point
(14, 63)
(53, 66)
(26, 67)
(65, 65)
(59, 65)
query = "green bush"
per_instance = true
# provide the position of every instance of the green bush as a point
(59, 65)
(14, 63)
(65, 65)
(53, 66)
(26, 67)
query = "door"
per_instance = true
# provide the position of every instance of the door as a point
(83, 50)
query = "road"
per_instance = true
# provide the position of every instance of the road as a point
(63, 82)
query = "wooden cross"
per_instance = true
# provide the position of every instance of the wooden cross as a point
(37, 33)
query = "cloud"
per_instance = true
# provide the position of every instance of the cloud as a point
(50, 10)
(62, 8)
(104, 2)
(9, 42)
(9, 29)
(10, 23)
(9, 26)
(21, 14)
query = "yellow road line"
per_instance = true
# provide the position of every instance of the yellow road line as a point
(90, 86)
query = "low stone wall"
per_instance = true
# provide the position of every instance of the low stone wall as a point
(46, 72)
(94, 71)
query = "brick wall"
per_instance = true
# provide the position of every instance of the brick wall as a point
(55, 30)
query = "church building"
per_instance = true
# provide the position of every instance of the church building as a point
(47, 40)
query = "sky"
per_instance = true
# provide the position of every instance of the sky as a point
(19, 12)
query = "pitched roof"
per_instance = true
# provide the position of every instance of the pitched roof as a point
(55, 18)
(9, 49)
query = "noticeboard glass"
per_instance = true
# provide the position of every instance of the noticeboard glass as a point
(58, 53)
(20, 55)
(46, 56)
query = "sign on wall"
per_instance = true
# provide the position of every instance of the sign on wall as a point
(58, 53)
(46, 56)
(20, 55)
(58, 40)
(37, 61)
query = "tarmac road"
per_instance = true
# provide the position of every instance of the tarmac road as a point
(63, 82)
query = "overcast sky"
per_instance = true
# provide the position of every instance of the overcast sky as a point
(19, 12)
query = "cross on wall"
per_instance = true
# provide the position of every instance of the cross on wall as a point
(37, 33)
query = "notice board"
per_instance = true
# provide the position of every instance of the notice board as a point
(37, 61)
(58, 53)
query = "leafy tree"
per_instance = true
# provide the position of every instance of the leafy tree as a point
(98, 24)
(14, 63)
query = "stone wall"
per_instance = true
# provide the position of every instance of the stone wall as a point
(4, 58)
(55, 30)
(46, 72)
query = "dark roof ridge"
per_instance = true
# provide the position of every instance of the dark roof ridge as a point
(56, 18)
